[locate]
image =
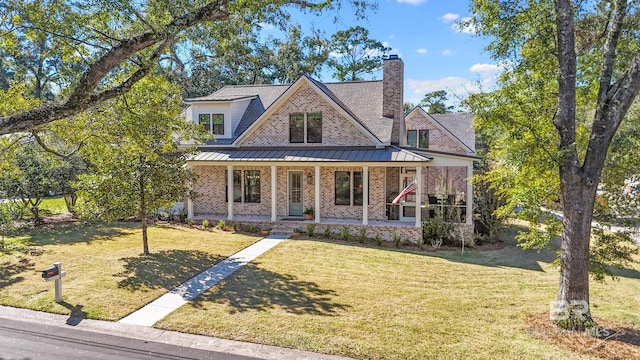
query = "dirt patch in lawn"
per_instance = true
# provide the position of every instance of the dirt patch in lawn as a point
(616, 341)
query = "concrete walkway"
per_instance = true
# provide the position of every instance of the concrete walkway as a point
(169, 302)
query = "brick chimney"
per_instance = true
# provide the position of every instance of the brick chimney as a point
(392, 97)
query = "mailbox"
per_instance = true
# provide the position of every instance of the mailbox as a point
(50, 272)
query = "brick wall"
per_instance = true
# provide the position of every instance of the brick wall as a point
(438, 139)
(377, 207)
(337, 130)
(210, 190)
(392, 96)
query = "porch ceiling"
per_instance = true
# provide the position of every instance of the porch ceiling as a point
(311, 154)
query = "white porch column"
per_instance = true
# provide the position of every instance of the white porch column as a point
(418, 196)
(229, 192)
(317, 194)
(469, 217)
(189, 206)
(274, 188)
(365, 195)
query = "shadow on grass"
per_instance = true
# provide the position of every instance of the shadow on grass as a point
(77, 232)
(12, 273)
(164, 269)
(254, 288)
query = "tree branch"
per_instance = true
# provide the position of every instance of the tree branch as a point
(613, 35)
(48, 149)
(83, 97)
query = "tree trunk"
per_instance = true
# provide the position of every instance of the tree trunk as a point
(143, 209)
(578, 195)
(145, 240)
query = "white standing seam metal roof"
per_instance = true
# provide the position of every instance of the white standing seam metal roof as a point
(389, 154)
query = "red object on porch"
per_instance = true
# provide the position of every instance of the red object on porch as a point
(411, 187)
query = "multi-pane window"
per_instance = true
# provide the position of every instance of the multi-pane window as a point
(348, 189)
(205, 121)
(296, 128)
(309, 124)
(251, 186)
(216, 126)
(314, 127)
(237, 186)
(343, 188)
(418, 138)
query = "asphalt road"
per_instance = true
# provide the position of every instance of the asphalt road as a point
(21, 340)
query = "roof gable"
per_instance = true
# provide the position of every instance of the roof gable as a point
(457, 126)
(320, 89)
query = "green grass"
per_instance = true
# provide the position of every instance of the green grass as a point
(371, 303)
(53, 205)
(107, 277)
(331, 297)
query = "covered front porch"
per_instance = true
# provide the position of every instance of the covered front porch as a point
(340, 187)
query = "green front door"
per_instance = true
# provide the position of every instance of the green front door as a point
(295, 193)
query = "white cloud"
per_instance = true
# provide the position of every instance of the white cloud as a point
(447, 52)
(266, 26)
(452, 85)
(411, 2)
(484, 68)
(465, 27)
(449, 17)
(421, 51)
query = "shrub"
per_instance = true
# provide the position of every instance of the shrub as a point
(205, 223)
(420, 242)
(327, 232)
(163, 215)
(251, 228)
(311, 229)
(362, 237)
(378, 240)
(298, 230)
(440, 230)
(190, 222)
(182, 215)
(396, 240)
(221, 224)
(344, 234)
(235, 226)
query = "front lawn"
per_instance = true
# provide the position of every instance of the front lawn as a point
(371, 303)
(107, 277)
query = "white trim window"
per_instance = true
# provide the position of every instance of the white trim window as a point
(305, 126)
(216, 126)
(418, 138)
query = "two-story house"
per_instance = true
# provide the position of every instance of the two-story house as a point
(344, 149)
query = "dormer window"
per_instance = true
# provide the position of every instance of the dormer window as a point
(305, 126)
(216, 126)
(418, 138)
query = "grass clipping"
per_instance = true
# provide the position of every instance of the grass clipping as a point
(617, 342)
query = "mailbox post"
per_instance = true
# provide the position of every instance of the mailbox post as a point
(55, 273)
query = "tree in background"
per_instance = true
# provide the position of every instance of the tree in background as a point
(435, 102)
(355, 54)
(29, 174)
(299, 55)
(113, 45)
(572, 78)
(137, 167)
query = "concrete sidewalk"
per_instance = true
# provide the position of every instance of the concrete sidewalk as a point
(171, 301)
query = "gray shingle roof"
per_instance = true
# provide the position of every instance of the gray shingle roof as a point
(316, 154)
(460, 125)
(360, 99)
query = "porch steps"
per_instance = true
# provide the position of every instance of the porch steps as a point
(287, 227)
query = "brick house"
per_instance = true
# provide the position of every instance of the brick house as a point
(344, 149)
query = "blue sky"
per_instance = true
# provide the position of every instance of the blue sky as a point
(437, 54)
